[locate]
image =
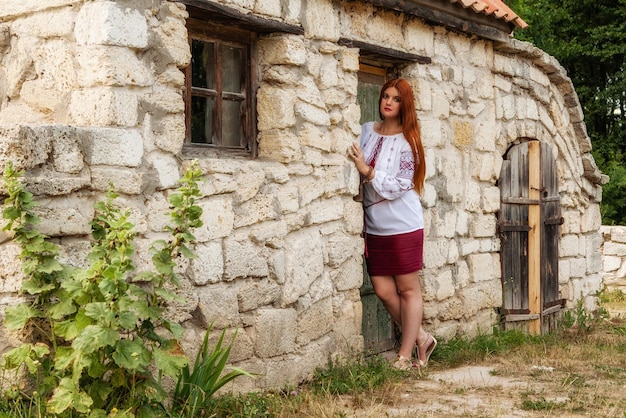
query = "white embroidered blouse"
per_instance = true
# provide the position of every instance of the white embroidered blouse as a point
(391, 204)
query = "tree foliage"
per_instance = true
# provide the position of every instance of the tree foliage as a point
(588, 37)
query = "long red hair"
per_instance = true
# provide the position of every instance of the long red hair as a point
(410, 127)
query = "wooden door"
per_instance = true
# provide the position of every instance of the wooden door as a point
(379, 330)
(529, 221)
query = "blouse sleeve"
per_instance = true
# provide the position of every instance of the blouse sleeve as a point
(391, 186)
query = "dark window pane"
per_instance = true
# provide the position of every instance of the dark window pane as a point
(232, 132)
(202, 109)
(232, 72)
(202, 64)
(367, 97)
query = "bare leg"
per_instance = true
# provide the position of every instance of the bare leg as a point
(402, 296)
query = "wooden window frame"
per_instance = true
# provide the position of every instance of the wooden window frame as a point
(205, 31)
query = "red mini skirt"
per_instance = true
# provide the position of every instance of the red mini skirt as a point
(389, 255)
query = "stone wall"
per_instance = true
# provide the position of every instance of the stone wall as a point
(614, 257)
(90, 92)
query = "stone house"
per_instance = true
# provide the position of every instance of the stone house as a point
(267, 95)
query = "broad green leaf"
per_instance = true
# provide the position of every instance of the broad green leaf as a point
(174, 327)
(16, 357)
(127, 320)
(94, 337)
(132, 354)
(49, 265)
(63, 396)
(100, 312)
(187, 252)
(17, 316)
(170, 362)
(67, 329)
(33, 286)
(168, 295)
(64, 358)
(176, 199)
(65, 306)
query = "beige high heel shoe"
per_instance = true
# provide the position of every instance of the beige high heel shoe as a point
(429, 350)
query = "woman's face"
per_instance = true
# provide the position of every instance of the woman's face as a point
(390, 103)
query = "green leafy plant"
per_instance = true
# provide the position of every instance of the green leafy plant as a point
(196, 385)
(99, 341)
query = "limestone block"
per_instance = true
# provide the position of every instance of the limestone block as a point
(276, 108)
(110, 146)
(167, 170)
(445, 223)
(259, 209)
(469, 246)
(591, 219)
(304, 263)
(169, 132)
(108, 23)
(482, 267)
(436, 253)
(287, 199)
(483, 295)
(320, 212)
(483, 226)
(111, 66)
(490, 201)
(25, 147)
(157, 212)
(49, 183)
(347, 326)
(472, 197)
(578, 267)
(450, 309)
(104, 107)
(163, 99)
(386, 27)
(341, 247)
(217, 218)
(282, 49)
(569, 246)
(429, 197)
(349, 60)
(281, 74)
(280, 146)
(67, 215)
(208, 266)
(419, 38)
(12, 9)
(270, 234)
(316, 321)
(454, 181)
(312, 114)
(440, 105)
(275, 331)
(217, 304)
(618, 234)
(312, 136)
(617, 249)
(39, 96)
(171, 35)
(309, 190)
(484, 126)
(11, 275)
(320, 21)
(564, 271)
(242, 259)
(445, 285)
(257, 294)
(51, 23)
(350, 275)
(462, 223)
(249, 183)
(463, 134)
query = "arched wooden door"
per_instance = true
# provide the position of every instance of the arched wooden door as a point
(529, 220)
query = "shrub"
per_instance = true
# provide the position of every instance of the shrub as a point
(99, 342)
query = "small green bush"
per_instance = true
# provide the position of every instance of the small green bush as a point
(98, 341)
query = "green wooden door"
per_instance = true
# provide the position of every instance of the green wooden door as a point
(379, 331)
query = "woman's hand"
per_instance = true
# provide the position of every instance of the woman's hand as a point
(359, 161)
(357, 156)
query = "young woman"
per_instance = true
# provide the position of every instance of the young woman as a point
(390, 159)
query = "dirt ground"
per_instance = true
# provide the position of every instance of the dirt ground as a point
(574, 380)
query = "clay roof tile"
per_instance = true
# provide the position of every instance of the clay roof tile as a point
(497, 8)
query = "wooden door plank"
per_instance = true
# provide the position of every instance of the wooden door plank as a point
(534, 236)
